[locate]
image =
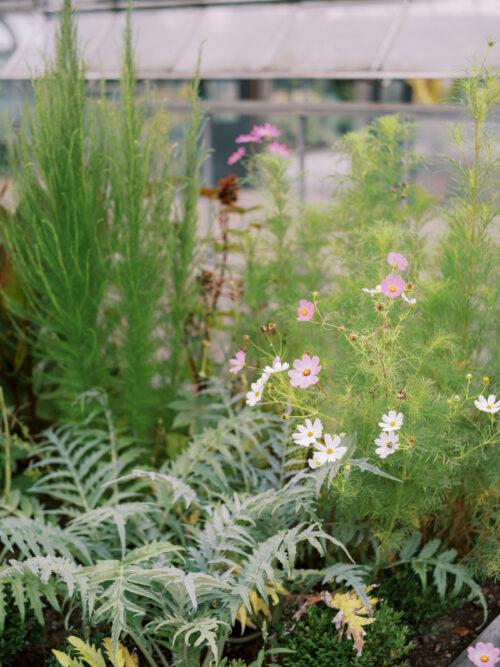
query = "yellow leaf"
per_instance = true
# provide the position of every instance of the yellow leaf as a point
(118, 660)
(242, 617)
(352, 616)
(64, 659)
(90, 654)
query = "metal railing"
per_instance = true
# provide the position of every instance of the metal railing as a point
(300, 112)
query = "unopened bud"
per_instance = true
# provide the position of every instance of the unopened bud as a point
(469, 376)
(271, 328)
(486, 380)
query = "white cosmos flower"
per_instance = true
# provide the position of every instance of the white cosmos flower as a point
(411, 302)
(308, 433)
(489, 404)
(277, 366)
(392, 421)
(372, 292)
(387, 443)
(330, 451)
(156, 381)
(314, 463)
(255, 395)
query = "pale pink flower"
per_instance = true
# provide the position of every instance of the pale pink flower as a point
(236, 156)
(247, 139)
(392, 286)
(489, 404)
(305, 372)
(237, 362)
(266, 131)
(159, 333)
(305, 311)
(483, 655)
(162, 354)
(397, 261)
(275, 148)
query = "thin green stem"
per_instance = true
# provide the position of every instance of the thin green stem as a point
(7, 447)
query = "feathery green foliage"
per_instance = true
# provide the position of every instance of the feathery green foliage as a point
(104, 240)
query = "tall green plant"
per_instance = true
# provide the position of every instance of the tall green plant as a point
(104, 240)
(56, 239)
(468, 256)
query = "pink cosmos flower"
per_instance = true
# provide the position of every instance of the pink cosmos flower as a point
(305, 372)
(237, 362)
(278, 149)
(392, 286)
(305, 311)
(397, 261)
(247, 139)
(236, 156)
(266, 131)
(483, 655)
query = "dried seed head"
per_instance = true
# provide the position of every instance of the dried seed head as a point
(401, 395)
(412, 439)
(352, 337)
(228, 190)
(379, 307)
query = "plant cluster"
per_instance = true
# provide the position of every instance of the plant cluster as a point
(353, 441)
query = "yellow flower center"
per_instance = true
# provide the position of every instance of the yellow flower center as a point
(306, 372)
(257, 393)
(310, 434)
(489, 406)
(484, 658)
(392, 423)
(329, 450)
(304, 311)
(392, 288)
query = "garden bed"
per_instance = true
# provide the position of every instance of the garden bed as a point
(326, 481)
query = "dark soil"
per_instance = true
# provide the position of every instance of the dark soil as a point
(448, 637)
(438, 646)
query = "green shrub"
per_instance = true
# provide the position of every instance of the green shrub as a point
(418, 607)
(315, 642)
